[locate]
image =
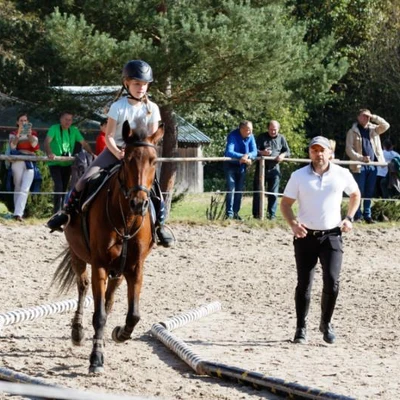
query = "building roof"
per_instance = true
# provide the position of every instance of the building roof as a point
(189, 134)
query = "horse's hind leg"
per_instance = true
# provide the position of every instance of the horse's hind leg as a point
(99, 280)
(82, 280)
(134, 280)
(112, 286)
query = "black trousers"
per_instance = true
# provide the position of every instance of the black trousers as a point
(328, 249)
(61, 176)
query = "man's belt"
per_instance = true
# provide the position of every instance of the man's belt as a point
(318, 233)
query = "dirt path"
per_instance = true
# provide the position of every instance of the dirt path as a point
(251, 272)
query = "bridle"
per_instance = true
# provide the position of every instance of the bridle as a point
(127, 192)
(127, 233)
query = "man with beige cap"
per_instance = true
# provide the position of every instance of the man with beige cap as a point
(317, 229)
(363, 144)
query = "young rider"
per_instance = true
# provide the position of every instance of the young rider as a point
(137, 109)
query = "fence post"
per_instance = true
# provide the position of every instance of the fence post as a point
(261, 185)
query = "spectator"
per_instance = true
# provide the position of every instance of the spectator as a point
(363, 144)
(241, 146)
(332, 142)
(101, 137)
(317, 230)
(388, 154)
(270, 144)
(60, 141)
(138, 110)
(23, 141)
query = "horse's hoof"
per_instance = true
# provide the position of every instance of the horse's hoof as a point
(96, 369)
(117, 335)
(77, 335)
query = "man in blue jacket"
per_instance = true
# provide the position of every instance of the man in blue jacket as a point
(242, 147)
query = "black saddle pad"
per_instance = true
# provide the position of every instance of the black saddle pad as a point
(95, 183)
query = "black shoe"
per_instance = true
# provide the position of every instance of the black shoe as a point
(56, 221)
(237, 217)
(329, 334)
(165, 238)
(369, 220)
(300, 336)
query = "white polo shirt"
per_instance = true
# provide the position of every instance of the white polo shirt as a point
(122, 111)
(320, 197)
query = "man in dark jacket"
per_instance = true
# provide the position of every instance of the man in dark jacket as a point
(270, 144)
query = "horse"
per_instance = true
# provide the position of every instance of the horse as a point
(119, 236)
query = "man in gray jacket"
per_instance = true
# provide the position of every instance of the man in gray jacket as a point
(363, 144)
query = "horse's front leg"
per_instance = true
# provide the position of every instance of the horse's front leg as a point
(134, 280)
(82, 281)
(99, 281)
(112, 286)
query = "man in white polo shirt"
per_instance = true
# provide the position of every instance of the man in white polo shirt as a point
(317, 229)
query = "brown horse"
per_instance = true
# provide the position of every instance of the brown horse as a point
(118, 239)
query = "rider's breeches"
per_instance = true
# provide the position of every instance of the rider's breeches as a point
(103, 160)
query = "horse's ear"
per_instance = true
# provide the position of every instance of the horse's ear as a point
(157, 135)
(126, 131)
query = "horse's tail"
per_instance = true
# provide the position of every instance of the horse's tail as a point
(64, 276)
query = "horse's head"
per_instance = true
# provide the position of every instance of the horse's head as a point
(139, 166)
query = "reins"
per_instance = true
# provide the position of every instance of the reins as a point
(127, 235)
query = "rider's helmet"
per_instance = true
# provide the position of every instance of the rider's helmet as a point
(139, 70)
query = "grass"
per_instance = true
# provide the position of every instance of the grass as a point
(191, 209)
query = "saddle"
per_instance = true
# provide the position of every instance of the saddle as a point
(93, 187)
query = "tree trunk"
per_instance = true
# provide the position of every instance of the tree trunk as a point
(169, 149)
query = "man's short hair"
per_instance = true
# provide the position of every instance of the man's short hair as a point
(274, 121)
(364, 111)
(66, 113)
(245, 123)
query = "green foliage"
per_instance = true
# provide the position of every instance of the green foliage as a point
(386, 211)
(40, 205)
(216, 62)
(358, 26)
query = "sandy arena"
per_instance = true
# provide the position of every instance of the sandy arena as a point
(252, 273)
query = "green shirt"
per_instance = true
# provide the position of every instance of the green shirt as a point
(63, 142)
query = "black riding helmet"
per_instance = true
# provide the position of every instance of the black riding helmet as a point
(139, 70)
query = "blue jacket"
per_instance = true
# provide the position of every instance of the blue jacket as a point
(237, 147)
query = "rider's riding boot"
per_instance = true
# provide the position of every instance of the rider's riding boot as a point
(164, 235)
(302, 307)
(328, 302)
(57, 220)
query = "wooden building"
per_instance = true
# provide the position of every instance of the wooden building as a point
(189, 175)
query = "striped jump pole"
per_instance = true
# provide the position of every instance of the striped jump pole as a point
(205, 367)
(191, 315)
(13, 376)
(30, 314)
(60, 393)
